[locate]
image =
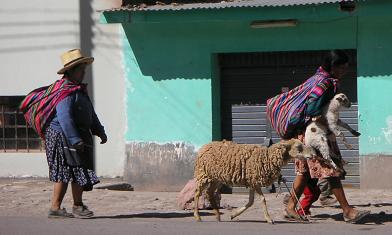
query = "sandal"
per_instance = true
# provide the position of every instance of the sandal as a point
(293, 216)
(61, 213)
(328, 201)
(303, 213)
(360, 215)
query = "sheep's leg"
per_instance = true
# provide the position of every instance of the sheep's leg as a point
(264, 205)
(240, 210)
(199, 189)
(210, 196)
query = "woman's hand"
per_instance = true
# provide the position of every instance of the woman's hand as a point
(103, 137)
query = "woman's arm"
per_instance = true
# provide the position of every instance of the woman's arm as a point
(97, 128)
(64, 110)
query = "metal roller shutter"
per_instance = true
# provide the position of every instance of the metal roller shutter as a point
(249, 79)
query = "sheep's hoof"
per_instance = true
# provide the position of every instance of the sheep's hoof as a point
(270, 221)
(198, 218)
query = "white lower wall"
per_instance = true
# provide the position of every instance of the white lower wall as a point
(23, 165)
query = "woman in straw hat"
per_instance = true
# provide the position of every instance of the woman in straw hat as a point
(63, 115)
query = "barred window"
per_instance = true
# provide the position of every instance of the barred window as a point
(15, 134)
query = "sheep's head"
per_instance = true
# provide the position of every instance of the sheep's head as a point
(342, 100)
(296, 149)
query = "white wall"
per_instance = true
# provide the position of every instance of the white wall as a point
(23, 165)
(33, 35)
(109, 88)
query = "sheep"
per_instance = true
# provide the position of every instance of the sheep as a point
(317, 131)
(250, 165)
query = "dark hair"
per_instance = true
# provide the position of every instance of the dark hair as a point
(334, 58)
(68, 72)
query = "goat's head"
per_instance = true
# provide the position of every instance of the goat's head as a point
(342, 100)
(296, 149)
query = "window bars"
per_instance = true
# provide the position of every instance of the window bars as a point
(15, 134)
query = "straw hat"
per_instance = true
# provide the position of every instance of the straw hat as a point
(73, 57)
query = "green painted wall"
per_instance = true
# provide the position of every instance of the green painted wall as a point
(168, 88)
(375, 85)
(173, 86)
(169, 96)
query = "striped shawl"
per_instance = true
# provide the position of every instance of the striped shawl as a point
(286, 111)
(39, 106)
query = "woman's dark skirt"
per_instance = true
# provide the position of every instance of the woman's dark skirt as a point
(59, 171)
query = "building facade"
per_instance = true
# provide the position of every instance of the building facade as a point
(198, 72)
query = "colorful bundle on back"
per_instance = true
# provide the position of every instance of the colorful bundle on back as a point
(286, 111)
(39, 105)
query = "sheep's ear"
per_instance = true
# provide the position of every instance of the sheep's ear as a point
(287, 143)
(340, 99)
(299, 147)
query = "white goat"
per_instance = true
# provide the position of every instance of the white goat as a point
(316, 134)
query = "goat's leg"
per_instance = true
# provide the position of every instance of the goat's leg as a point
(348, 127)
(264, 205)
(344, 140)
(199, 189)
(322, 146)
(240, 210)
(334, 127)
(210, 196)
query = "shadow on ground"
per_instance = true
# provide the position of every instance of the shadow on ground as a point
(172, 215)
(165, 215)
(358, 205)
(379, 218)
(265, 222)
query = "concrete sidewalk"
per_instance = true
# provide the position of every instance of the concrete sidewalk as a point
(29, 199)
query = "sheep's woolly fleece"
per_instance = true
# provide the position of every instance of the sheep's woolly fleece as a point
(250, 165)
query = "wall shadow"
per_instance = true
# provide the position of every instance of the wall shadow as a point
(168, 56)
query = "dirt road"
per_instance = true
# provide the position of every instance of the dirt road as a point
(24, 204)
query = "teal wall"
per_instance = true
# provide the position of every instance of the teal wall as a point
(375, 84)
(168, 87)
(173, 81)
